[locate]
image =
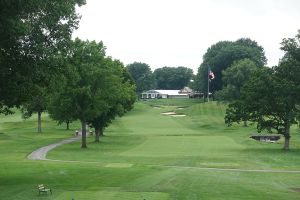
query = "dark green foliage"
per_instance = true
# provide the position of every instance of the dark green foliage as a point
(123, 93)
(222, 55)
(84, 85)
(93, 86)
(172, 78)
(60, 109)
(269, 98)
(291, 46)
(234, 78)
(31, 33)
(36, 103)
(142, 76)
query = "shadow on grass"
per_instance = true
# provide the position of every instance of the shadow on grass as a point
(278, 149)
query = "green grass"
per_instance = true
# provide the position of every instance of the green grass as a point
(146, 155)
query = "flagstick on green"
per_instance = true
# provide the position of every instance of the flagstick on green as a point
(212, 75)
(208, 84)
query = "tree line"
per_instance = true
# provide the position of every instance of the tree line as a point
(168, 78)
(43, 69)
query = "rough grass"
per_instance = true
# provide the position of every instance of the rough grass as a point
(146, 155)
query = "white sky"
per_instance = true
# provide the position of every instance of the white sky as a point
(178, 32)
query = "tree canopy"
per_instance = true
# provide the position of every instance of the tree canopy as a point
(142, 76)
(222, 55)
(31, 32)
(234, 77)
(271, 97)
(172, 78)
(120, 99)
(93, 84)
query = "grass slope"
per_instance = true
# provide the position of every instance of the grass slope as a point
(146, 155)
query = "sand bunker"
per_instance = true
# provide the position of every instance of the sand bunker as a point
(168, 113)
(173, 114)
(156, 106)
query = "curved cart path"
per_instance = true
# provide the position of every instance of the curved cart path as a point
(41, 153)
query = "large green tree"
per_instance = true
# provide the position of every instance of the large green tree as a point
(120, 98)
(222, 55)
(172, 78)
(84, 84)
(142, 76)
(31, 32)
(234, 78)
(60, 106)
(270, 98)
(92, 84)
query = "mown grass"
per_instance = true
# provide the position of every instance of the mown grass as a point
(146, 155)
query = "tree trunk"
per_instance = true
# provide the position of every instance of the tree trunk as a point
(68, 125)
(39, 122)
(97, 134)
(83, 134)
(245, 123)
(101, 131)
(286, 144)
(287, 137)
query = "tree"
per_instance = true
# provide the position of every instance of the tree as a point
(234, 78)
(291, 46)
(120, 100)
(142, 76)
(222, 55)
(31, 32)
(59, 109)
(83, 86)
(269, 98)
(172, 78)
(91, 84)
(36, 103)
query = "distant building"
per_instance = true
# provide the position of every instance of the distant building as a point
(167, 94)
(186, 90)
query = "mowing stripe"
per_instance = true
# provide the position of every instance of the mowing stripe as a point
(229, 169)
(41, 153)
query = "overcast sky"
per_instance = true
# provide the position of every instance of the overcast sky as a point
(178, 32)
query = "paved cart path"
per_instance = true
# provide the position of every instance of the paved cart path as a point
(41, 153)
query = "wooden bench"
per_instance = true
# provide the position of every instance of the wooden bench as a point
(43, 190)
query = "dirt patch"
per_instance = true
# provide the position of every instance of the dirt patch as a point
(295, 189)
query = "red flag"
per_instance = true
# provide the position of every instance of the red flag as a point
(211, 75)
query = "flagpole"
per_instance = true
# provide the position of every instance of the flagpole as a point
(207, 83)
